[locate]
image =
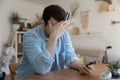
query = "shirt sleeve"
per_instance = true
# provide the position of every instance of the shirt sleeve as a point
(70, 54)
(40, 59)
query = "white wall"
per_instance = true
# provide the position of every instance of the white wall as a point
(25, 9)
(99, 22)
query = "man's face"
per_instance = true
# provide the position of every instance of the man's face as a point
(48, 29)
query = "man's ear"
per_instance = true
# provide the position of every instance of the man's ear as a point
(49, 24)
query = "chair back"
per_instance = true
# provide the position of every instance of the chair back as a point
(13, 70)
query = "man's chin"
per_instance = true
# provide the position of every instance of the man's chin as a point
(46, 34)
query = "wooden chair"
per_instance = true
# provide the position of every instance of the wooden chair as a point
(13, 68)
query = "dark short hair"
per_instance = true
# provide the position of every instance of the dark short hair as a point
(54, 11)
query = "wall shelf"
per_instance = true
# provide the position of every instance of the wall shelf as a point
(108, 1)
(115, 22)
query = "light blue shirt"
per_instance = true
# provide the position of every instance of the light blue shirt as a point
(38, 60)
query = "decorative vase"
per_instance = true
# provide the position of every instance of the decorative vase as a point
(115, 73)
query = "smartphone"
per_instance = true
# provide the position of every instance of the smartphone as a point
(91, 63)
(67, 15)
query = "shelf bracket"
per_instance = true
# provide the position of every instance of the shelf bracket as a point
(108, 1)
(115, 22)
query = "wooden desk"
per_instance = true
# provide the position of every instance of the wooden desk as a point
(69, 74)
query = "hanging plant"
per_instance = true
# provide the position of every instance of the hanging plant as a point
(75, 9)
(15, 18)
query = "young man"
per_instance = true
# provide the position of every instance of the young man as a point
(48, 47)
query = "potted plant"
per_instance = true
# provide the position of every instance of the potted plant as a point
(113, 68)
(16, 21)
